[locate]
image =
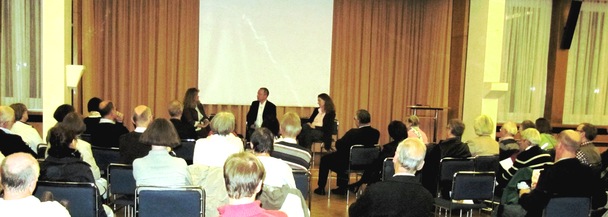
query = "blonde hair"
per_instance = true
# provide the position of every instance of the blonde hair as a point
(414, 120)
(7, 114)
(483, 125)
(291, 125)
(223, 123)
(510, 127)
(531, 135)
(243, 172)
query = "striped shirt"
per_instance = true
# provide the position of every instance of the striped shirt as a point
(296, 156)
(534, 157)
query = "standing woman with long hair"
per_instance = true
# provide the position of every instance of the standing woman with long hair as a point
(320, 124)
(194, 113)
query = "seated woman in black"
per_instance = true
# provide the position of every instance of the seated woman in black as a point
(320, 124)
(64, 163)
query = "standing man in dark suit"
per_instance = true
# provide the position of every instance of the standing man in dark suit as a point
(262, 113)
(402, 194)
(110, 126)
(364, 134)
(10, 143)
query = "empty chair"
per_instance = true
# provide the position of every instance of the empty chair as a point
(80, 196)
(568, 207)
(302, 178)
(486, 163)
(448, 167)
(122, 187)
(470, 186)
(186, 201)
(105, 156)
(185, 150)
(388, 168)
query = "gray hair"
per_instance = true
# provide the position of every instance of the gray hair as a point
(223, 123)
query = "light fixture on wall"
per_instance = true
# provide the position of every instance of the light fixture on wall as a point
(73, 73)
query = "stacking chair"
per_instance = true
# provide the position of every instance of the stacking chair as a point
(360, 158)
(186, 201)
(41, 150)
(105, 156)
(81, 196)
(86, 137)
(486, 163)
(320, 143)
(302, 178)
(468, 185)
(185, 150)
(448, 167)
(388, 168)
(568, 207)
(121, 185)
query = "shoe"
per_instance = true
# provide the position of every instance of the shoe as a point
(354, 188)
(319, 191)
(339, 191)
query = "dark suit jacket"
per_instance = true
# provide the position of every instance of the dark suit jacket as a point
(91, 124)
(269, 116)
(107, 134)
(565, 178)
(190, 115)
(131, 148)
(328, 125)
(452, 147)
(366, 136)
(10, 144)
(398, 196)
(185, 131)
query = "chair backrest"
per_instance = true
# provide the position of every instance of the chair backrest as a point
(388, 168)
(41, 150)
(335, 129)
(185, 151)
(81, 196)
(568, 206)
(449, 166)
(86, 137)
(120, 179)
(105, 156)
(186, 201)
(468, 185)
(486, 163)
(361, 156)
(302, 178)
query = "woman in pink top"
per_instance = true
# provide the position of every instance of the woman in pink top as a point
(414, 131)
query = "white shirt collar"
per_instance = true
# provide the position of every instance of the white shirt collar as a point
(403, 174)
(139, 129)
(288, 140)
(105, 120)
(7, 131)
(94, 114)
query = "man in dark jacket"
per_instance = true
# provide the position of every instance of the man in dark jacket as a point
(262, 113)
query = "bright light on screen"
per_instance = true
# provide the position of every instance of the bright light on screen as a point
(284, 45)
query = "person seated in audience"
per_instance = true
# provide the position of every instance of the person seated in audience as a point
(567, 177)
(158, 168)
(9, 142)
(530, 155)
(588, 154)
(262, 113)
(414, 131)
(19, 174)
(319, 126)
(243, 175)
(29, 134)
(398, 132)
(337, 161)
(62, 111)
(507, 144)
(278, 173)
(73, 122)
(194, 113)
(452, 146)
(526, 124)
(130, 146)
(286, 147)
(94, 116)
(184, 130)
(547, 141)
(483, 144)
(110, 127)
(64, 163)
(213, 150)
(402, 194)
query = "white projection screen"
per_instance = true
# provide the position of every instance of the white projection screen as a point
(284, 45)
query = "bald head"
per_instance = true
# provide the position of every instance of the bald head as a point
(7, 117)
(19, 173)
(409, 156)
(142, 116)
(106, 109)
(570, 140)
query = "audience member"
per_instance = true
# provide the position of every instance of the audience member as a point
(110, 128)
(130, 146)
(194, 113)
(278, 173)
(507, 143)
(158, 168)
(62, 111)
(19, 174)
(414, 131)
(398, 132)
(216, 148)
(320, 124)
(526, 124)
(588, 154)
(29, 134)
(530, 155)
(452, 146)
(402, 194)
(262, 113)
(94, 116)
(243, 175)
(64, 162)
(286, 148)
(483, 144)
(547, 141)
(337, 161)
(9, 142)
(567, 177)
(184, 130)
